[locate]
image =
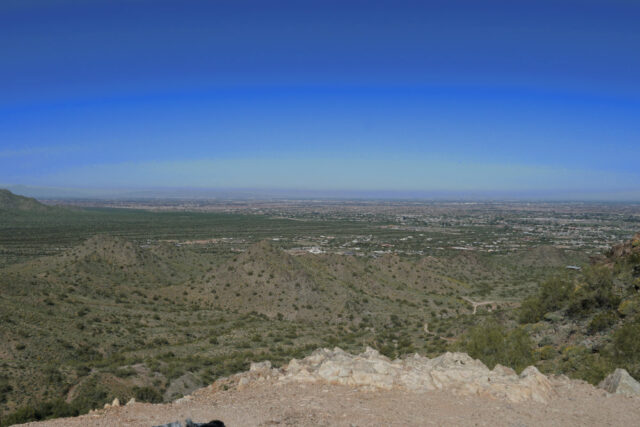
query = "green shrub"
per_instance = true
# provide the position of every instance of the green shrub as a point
(91, 394)
(581, 363)
(493, 344)
(596, 292)
(629, 307)
(602, 321)
(547, 352)
(518, 352)
(45, 410)
(125, 372)
(531, 310)
(552, 296)
(19, 416)
(554, 293)
(626, 346)
(147, 394)
(5, 388)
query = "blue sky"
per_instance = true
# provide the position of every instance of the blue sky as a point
(460, 96)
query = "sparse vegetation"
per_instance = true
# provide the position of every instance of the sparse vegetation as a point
(594, 309)
(132, 310)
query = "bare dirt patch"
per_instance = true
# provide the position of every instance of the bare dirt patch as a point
(276, 403)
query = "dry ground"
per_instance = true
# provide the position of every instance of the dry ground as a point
(272, 404)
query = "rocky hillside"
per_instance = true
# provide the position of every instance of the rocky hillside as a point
(328, 287)
(155, 320)
(332, 387)
(588, 323)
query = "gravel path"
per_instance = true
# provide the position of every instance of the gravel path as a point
(294, 404)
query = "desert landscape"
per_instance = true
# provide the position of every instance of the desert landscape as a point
(319, 212)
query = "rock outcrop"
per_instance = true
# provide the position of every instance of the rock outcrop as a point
(455, 372)
(620, 382)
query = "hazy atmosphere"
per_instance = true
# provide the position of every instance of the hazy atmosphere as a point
(514, 99)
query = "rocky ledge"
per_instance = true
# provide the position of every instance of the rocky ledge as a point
(454, 372)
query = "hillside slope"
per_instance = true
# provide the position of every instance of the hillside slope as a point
(589, 323)
(156, 320)
(10, 202)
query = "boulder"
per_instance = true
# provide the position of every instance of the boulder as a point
(620, 382)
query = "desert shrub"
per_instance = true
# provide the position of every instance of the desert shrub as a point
(552, 296)
(387, 349)
(5, 388)
(493, 344)
(45, 410)
(87, 353)
(554, 293)
(602, 321)
(629, 307)
(82, 370)
(91, 394)
(485, 342)
(19, 416)
(626, 347)
(125, 372)
(596, 292)
(531, 310)
(52, 374)
(147, 394)
(547, 352)
(405, 345)
(518, 352)
(581, 363)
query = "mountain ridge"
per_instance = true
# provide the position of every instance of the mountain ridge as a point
(11, 202)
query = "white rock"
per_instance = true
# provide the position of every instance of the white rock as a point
(456, 372)
(260, 366)
(620, 382)
(183, 399)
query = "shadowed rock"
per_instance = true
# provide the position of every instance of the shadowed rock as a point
(620, 382)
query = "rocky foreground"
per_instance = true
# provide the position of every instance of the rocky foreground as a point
(332, 387)
(455, 372)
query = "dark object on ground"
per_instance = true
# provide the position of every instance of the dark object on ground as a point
(189, 423)
(214, 423)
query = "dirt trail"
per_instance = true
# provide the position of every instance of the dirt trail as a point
(476, 304)
(273, 403)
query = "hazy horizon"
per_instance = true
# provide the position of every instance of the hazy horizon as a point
(194, 193)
